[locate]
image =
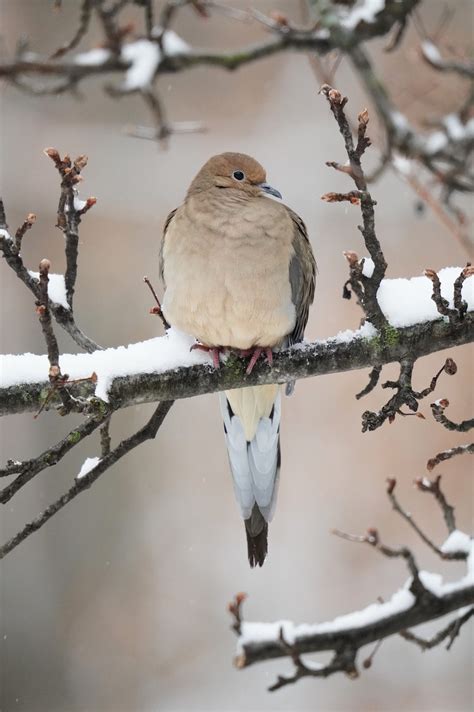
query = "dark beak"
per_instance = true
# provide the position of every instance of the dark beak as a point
(268, 189)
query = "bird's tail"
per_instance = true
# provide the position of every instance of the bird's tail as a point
(252, 430)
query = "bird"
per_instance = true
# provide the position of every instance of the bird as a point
(239, 274)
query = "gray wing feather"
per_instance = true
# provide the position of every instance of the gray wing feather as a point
(302, 275)
(165, 228)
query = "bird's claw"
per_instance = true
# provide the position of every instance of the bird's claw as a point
(256, 353)
(213, 350)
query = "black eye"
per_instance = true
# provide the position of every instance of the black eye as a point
(238, 175)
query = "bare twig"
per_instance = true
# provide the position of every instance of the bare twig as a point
(448, 454)
(3, 217)
(28, 469)
(438, 408)
(343, 661)
(405, 395)
(84, 19)
(456, 555)
(148, 432)
(235, 609)
(434, 488)
(374, 376)
(451, 631)
(27, 224)
(156, 310)
(431, 54)
(105, 439)
(368, 286)
(42, 310)
(372, 538)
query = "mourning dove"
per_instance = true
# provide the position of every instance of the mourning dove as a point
(239, 273)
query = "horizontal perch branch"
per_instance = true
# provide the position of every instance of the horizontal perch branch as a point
(316, 359)
(317, 40)
(420, 612)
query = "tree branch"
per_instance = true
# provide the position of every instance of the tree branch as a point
(420, 600)
(316, 359)
(251, 652)
(148, 432)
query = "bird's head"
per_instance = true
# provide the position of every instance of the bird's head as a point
(235, 171)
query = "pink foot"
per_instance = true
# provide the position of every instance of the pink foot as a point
(256, 353)
(213, 350)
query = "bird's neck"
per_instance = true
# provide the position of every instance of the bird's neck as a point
(217, 200)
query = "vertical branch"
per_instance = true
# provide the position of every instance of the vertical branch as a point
(70, 211)
(42, 309)
(368, 297)
(147, 432)
(3, 217)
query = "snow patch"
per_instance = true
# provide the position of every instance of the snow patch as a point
(365, 12)
(93, 57)
(269, 632)
(152, 356)
(368, 267)
(144, 57)
(408, 301)
(457, 541)
(431, 52)
(56, 288)
(435, 142)
(456, 130)
(78, 203)
(401, 164)
(400, 122)
(88, 465)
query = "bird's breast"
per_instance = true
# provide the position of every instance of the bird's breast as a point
(227, 277)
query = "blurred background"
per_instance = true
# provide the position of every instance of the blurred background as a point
(119, 603)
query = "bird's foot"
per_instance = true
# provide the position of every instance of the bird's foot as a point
(215, 352)
(255, 355)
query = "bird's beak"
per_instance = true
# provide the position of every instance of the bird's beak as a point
(268, 189)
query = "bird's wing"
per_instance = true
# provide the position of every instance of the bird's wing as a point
(302, 277)
(165, 228)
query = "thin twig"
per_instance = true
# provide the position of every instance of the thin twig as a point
(451, 631)
(148, 432)
(434, 488)
(369, 286)
(105, 439)
(30, 468)
(156, 310)
(27, 224)
(448, 454)
(456, 555)
(374, 376)
(84, 19)
(438, 408)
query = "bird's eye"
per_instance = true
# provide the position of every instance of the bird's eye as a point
(238, 175)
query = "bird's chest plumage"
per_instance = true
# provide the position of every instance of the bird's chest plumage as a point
(226, 273)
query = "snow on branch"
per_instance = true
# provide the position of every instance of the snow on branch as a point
(165, 367)
(423, 597)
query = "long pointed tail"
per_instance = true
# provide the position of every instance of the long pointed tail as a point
(256, 529)
(252, 427)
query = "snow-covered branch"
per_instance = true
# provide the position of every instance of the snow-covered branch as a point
(165, 368)
(424, 597)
